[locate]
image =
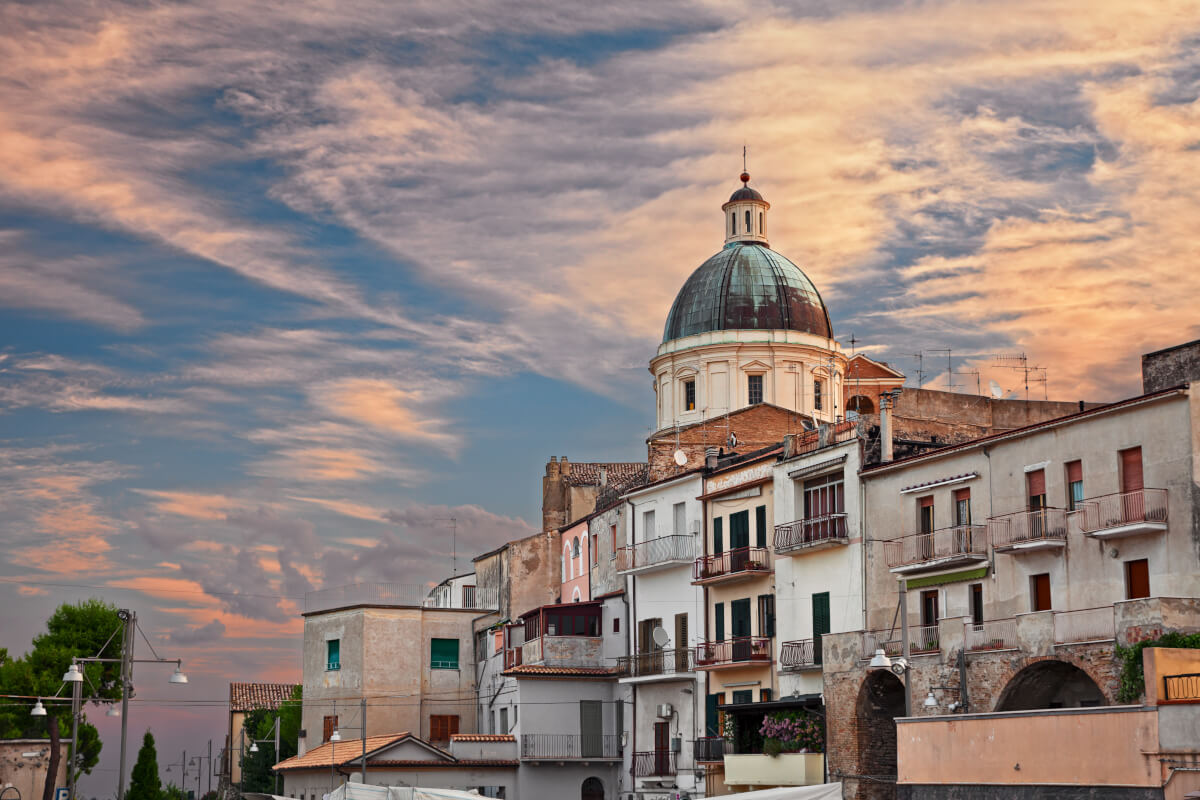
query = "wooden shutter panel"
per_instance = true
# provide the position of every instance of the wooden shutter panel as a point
(1074, 471)
(1131, 469)
(1037, 482)
(681, 631)
(760, 521)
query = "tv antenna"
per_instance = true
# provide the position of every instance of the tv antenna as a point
(1031, 374)
(453, 543)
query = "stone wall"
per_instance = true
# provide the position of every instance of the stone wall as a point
(1173, 366)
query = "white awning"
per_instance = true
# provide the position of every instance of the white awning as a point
(824, 791)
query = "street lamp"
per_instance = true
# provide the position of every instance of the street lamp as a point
(38, 710)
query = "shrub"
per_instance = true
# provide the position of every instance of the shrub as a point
(1133, 679)
(792, 732)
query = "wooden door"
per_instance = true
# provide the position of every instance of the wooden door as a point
(1041, 592)
(929, 608)
(1131, 469)
(662, 748)
(1137, 579)
(739, 617)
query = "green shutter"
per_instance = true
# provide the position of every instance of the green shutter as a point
(443, 653)
(760, 521)
(712, 718)
(739, 530)
(719, 621)
(820, 622)
(718, 536)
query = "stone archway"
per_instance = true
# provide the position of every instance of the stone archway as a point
(593, 789)
(880, 701)
(861, 404)
(1050, 684)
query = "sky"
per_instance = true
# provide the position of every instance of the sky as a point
(286, 286)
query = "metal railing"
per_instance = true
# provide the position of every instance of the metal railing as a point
(921, 639)
(958, 540)
(653, 763)
(734, 651)
(742, 559)
(1041, 524)
(709, 748)
(657, 662)
(1123, 508)
(406, 595)
(825, 436)
(677, 547)
(801, 653)
(1182, 687)
(811, 531)
(993, 634)
(555, 746)
(1084, 625)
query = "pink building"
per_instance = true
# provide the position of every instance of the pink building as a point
(576, 558)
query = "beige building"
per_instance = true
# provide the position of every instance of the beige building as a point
(23, 765)
(244, 698)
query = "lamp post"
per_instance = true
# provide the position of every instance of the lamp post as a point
(254, 748)
(899, 667)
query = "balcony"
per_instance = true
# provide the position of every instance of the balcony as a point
(922, 639)
(813, 533)
(739, 652)
(956, 546)
(570, 747)
(1124, 514)
(732, 565)
(657, 665)
(1085, 625)
(785, 769)
(709, 748)
(996, 634)
(800, 654)
(654, 764)
(1027, 531)
(664, 552)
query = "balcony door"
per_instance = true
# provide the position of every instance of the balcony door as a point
(662, 748)
(739, 540)
(820, 622)
(925, 526)
(591, 728)
(739, 612)
(1132, 506)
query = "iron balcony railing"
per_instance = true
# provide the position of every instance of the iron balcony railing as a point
(1084, 625)
(921, 639)
(404, 595)
(1124, 508)
(653, 763)
(732, 562)
(733, 651)
(810, 532)
(563, 746)
(657, 662)
(801, 653)
(709, 748)
(944, 543)
(1182, 687)
(994, 634)
(1041, 524)
(677, 547)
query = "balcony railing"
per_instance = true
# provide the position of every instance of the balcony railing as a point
(653, 763)
(663, 550)
(994, 634)
(1027, 529)
(945, 545)
(811, 532)
(921, 639)
(709, 748)
(1182, 687)
(743, 649)
(743, 560)
(1141, 509)
(1084, 625)
(801, 653)
(402, 595)
(566, 746)
(657, 662)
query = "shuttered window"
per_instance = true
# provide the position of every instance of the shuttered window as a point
(718, 536)
(442, 727)
(925, 514)
(1074, 484)
(739, 530)
(681, 631)
(820, 622)
(962, 507)
(719, 621)
(1131, 469)
(443, 653)
(1036, 484)
(329, 726)
(760, 526)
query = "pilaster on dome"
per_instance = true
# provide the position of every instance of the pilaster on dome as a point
(746, 215)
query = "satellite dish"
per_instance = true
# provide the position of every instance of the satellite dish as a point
(997, 390)
(660, 636)
(732, 440)
(680, 457)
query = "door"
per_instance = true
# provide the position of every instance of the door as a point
(925, 526)
(929, 608)
(739, 540)
(592, 789)
(739, 613)
(1040, 591)
(681, 643)
(662, 748)
(1035, 488)
(712, 719)
(1137, 579)
(760, 526)
(820, 622)
(1132, 504)
(591, 729)
(977, 605)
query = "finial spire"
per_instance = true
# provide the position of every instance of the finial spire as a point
(745, 176)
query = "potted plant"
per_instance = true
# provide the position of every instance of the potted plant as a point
(792, 732)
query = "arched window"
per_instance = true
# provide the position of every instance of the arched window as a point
(748, 228)
(563, 566)
(575, 547)
(762, 223)
(732, 223)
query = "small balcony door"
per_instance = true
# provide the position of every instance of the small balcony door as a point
(662, 748)
(929, 608)
(591, 728)
(739, 612)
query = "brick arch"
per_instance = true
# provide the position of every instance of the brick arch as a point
(1030, 666)
(880, 701)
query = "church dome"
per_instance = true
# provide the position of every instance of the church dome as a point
(745, 193)
(747, 286)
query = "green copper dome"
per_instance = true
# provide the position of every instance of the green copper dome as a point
(747, 287)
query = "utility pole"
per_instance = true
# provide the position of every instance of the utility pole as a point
(129, 618)
(904, 643)
(76, 690)
(210, 766)
(362, 720)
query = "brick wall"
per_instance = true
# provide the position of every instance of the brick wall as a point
(756, 427)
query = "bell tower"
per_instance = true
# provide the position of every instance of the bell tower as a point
(746, 216)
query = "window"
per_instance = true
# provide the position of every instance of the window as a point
(762, 223)
(595, 550)
(616, 624)
(820, 622)
(575, 548)
(719, 621)
(743, 696)
(766, 615)
(563, 564)
(648, 529)
(732, 223)
(443, 653)
(613, 531)
(1074, 485)
(718, 535)
(925, 514)
(645, 636)
(329, 726)
(748, 223)
(1035, 483)
(962, 507)
(679, 513)
(1131, 470)
(442, 727)
(760, 526)
(689, 395)
(755, 383)
(1039, 592)
(503, 721)
(822, 498)
(929, 608)
(818, 394)
(739, 530)
(977, 603)
(333, 654)
(1137, 579)
(681, 634)
(764, 695)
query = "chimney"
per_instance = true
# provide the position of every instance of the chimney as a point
(886, 399)
(603, 477)
(824, 434)
(552, 468)
(789, 445)
(710, 457)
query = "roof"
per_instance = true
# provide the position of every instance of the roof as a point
(549, 671)
(456, 763)
(694, 472)
(483, 737)
(745, 193)
(747, 286)
(251, 696)
(864, 368)
(346, 751)
(617, 473)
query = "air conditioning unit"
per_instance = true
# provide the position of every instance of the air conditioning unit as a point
(665, 710)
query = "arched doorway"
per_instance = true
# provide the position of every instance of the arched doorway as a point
(1050, 684)
(593, 789)
(861, 405)
(880, 701)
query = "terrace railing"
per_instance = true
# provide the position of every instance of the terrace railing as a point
(709, 748)
(1182, 687)
(732, 562)
(938, 545)
(1084, 625)
(800, 653)
(657, 662)
(995, 634)
(733, 651)
(677, 547)
(921, 639)
(810, 532)
(566, 746)
(1123, 508)
(653, 763)
(1043, 524)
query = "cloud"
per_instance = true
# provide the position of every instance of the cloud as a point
(387, 407)
(202, 634)
(345, 508)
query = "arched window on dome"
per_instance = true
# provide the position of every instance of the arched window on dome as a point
(762, 224)
(749, 229)
(732, 223)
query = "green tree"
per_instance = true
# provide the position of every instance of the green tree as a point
(173, 792)
(74, 631)
(257, 775)
(144, 783)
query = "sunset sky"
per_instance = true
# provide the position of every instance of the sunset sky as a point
(285, 285)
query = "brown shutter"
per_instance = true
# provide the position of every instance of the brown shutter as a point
(329, 728)
(1131, 469)
(962, 494)
(1074, 472)
(1037, 482)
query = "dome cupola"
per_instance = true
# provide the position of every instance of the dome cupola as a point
(746, 215)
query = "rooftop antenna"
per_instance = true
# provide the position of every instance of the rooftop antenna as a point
(453, 543)
(1031, 374)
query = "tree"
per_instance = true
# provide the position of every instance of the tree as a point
(144, 783)
(73, 631)
(173, 792)
(257, 775)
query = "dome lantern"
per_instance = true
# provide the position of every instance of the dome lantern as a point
(746, 215)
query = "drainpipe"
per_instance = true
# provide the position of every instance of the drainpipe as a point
(630, 627)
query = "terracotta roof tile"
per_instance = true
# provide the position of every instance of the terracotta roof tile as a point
(345, 751)
(618, 474)
(249, 696)
(546, 670)
(483, 737)
(465, 762)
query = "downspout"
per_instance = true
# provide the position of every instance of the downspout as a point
(630, 626)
